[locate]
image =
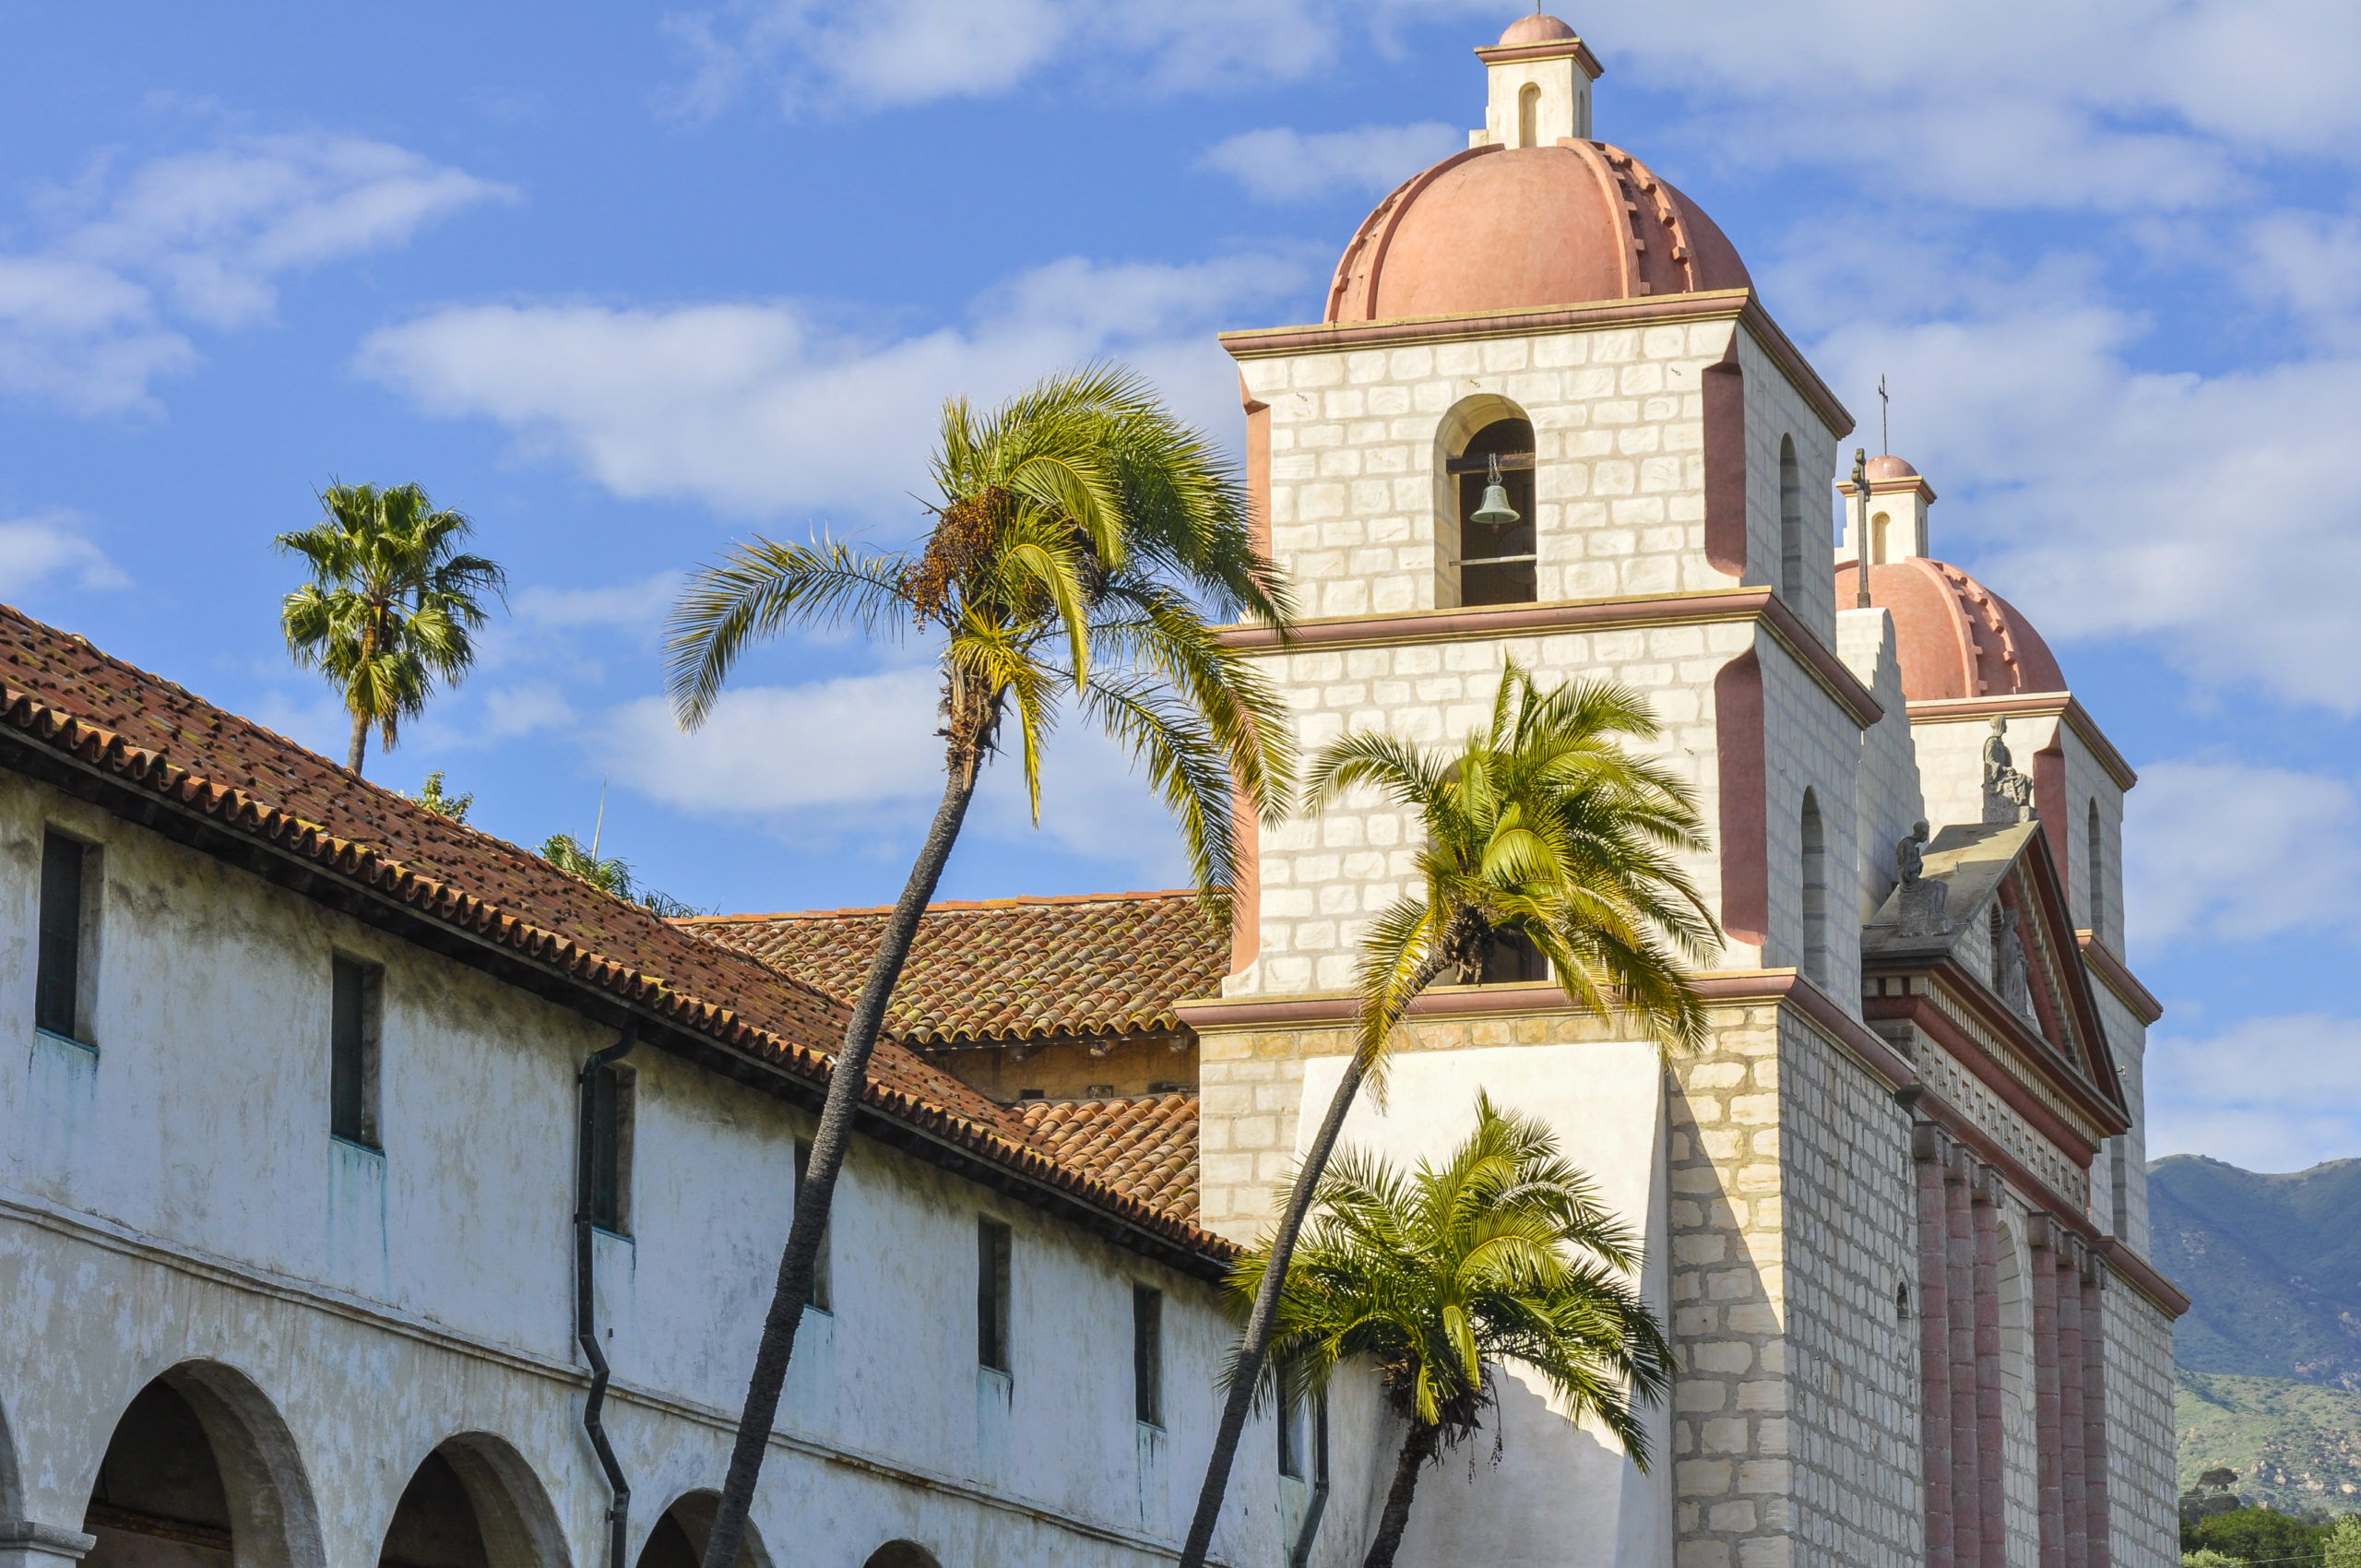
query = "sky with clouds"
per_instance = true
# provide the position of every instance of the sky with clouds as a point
(626, 284)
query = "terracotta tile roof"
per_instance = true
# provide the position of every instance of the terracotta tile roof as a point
(1145, 1148)
(200, 764)
(1007, 969)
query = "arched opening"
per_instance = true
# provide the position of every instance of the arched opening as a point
(1529, 115)
(681, 1534)
(1791, 523)
(2097, 860)
(473, 1503)
(901, 1554)
(1815, 886)
(1878, 526)
(1497, 564)
(201, 1473)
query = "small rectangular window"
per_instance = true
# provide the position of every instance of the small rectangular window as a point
(1147, 1354)
(993, 1241)
(1291, 1420)
(818, 1295)
(610, 1117)
(58, 977)
(352, 1053)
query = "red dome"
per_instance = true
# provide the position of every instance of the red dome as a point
(1889, 467)
(1955, 637)
(1535, 28)
(1501, 229)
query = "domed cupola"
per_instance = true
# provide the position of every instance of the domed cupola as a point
(1534, 213)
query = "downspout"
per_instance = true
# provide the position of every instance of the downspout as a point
(585, 1308)
(1310, 1529)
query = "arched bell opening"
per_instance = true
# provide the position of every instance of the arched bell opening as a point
(901, 1554)
(473, 1503)
(201, 1472)
(1486, 507)
(682, 1532)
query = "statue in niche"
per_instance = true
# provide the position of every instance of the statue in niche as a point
(2008, 794)
(1922, 902)
(2009, 976)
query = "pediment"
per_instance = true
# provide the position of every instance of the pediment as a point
(2000, 929)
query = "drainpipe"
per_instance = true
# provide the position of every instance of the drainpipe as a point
(1310, 1529)
(586, 1307)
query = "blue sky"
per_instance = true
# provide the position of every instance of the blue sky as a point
(626, 284)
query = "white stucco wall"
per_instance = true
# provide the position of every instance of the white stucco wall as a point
(173, 1199)
(1562, 1494)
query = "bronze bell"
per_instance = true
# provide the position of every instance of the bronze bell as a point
(1496, 510)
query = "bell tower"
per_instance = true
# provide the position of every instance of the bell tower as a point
(1540, 75)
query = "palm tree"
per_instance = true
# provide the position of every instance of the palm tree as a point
(1541, 828)
(390, 607)
(1078, 528)
(1500, 1253)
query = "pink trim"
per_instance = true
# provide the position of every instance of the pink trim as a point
(1258, 468)
(2049, 803)
(1738, 749)
(2168, 1297)
(1710, 607)
(1724, 438)
(1922, 1011)
(2119, 978)
(1701, 306)
(1246, 895)
(2070, 1415)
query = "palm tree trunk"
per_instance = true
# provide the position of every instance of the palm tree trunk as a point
(1256, 1342)
(1417, 1450)
(828, 1144)
(359, 741)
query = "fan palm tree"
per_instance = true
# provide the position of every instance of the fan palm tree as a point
(1540, 829)
(391, 605)
(1500, 1255)
(1077, 528)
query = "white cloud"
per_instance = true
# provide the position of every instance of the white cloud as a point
(759, 407)
(806, 53)
(1283, 165)
(626, 607)
(2266, 1094)
(2233, 852)
(94, 314)
(857, 756)
(46, 545)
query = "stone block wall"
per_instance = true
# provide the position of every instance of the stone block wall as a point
(1323, 879)
(1809, 744)
(2144, 1483)
(1887, 799)
(1775, 410)
(1359, 511)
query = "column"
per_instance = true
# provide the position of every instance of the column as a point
(2048, 1435)
(27, 1543)
(1959, 1287)
(2094, 1489)
(1928, 1148)
(1991, 1472)
(2069, 1402)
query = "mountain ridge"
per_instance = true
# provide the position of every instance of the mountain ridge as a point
(2272, 1264)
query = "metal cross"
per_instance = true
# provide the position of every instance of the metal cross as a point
(1885, 433)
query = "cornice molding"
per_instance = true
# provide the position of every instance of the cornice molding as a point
(2037, 705)
(1704, 607)
(1550, 48)
(2119, 978)
(1743, 305)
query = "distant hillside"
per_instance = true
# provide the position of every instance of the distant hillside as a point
(2294, 1445)
(2271, 1263)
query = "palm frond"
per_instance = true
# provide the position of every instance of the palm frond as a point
(758, 588)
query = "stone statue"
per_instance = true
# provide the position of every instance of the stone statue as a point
(1921, 907)
(2008, 965)
(2008, 794)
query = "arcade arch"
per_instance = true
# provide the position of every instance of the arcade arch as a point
(201, 1472)
(679, 1538)
(901, 1554)
(473, 1503)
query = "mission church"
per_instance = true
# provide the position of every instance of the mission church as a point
(370, 1193)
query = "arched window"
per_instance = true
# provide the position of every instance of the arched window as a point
(1791, 523)
(1877, 539)
(2097, 859)
(1815, 882)
(1529, 115)
(1496, 560)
